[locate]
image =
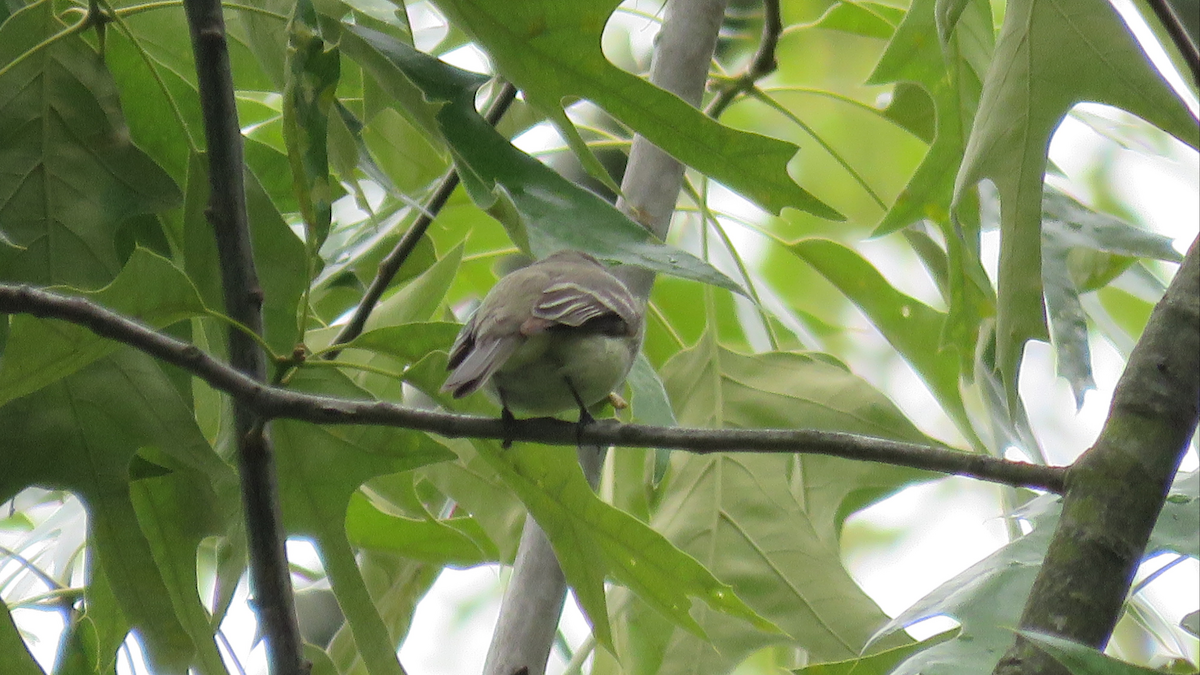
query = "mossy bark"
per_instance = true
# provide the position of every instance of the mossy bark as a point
(1116, 490)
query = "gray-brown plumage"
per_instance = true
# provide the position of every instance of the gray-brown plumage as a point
(558, 334)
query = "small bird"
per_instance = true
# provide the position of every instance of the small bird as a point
(558, 334)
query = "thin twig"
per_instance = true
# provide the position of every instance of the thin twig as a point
(36, 571)
(761, 65)
(1175, 28)
(390, 265)
(274, 402)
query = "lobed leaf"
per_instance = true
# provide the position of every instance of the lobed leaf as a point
(40, 352)
(551, 51)
(1050, 55)
(542, 211)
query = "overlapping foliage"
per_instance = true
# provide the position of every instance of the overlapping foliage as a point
(349, 121)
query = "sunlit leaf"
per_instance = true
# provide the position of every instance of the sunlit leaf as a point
(767, 524)
(1050, 55)
(986, 600)
(543, 211)
(551, 51)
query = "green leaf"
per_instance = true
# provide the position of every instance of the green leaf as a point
(40, 351)
(912, 109)
(542, 211)
(80, 434)
(408, 342)
(313, 70)
(912, 327)
(474, 485)
(162, 106)
(985, 599)
(950, 76)
(395, 585)
(441, 542)
(592, 539)
(1129, 312)
(551, 51)
(651, 405)
(948, 13)
(1051, 54)
(912, 58)
(265, 41)
(319, 658)
(276, 250)
(1178, 525)
(71, 175)
(1069, 223)
(1191, 623)
(1081, 659)
(420, 298)
(868, 19)
(876, 664)
(407, 159)
(176, 511)
(15, 651)
(1083, 250)
(320, 469)
(767, 524)
(1068, 321)
(91, 643)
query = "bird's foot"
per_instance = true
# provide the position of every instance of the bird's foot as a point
(507, 421)
(585, 417)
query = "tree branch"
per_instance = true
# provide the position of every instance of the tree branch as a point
(1116, 490)
(1178, 32)
(761, 65)
(275, 402)
(650, 189)
(390, 265)
(226, 212)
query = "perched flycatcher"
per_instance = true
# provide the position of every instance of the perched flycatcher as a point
(559, 334)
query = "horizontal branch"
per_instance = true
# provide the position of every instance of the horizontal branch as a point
(275, 402)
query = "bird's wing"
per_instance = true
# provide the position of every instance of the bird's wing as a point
(464, 342)
(477, 360)
(574, 304)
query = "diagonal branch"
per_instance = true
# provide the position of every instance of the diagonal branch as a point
(274, 402)
(1116, 490)
(532, 604)
(390, 265)
(1179, 35)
